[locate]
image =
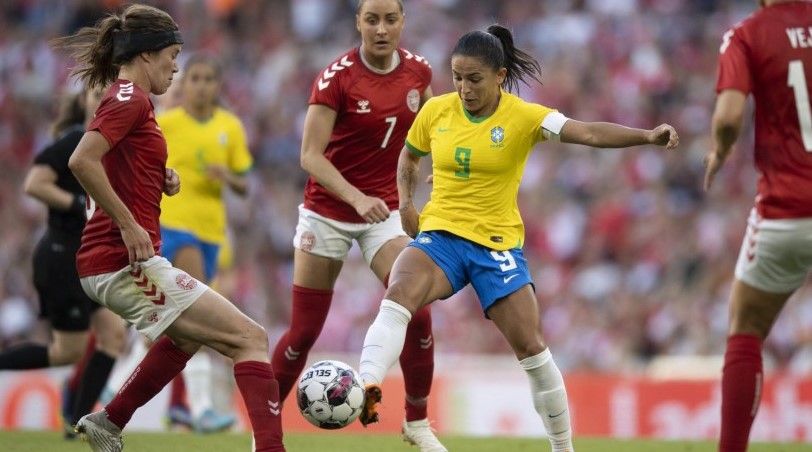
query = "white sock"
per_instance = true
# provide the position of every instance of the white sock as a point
(550, 398)
(197, 375)
(384, 342)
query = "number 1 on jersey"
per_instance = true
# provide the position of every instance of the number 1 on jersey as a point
(797, 80)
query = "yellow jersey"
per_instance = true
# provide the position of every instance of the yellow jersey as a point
(478, 164)
(193, 146)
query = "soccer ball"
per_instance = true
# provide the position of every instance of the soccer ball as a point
(330, 395)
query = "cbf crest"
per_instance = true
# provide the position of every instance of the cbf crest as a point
(497, 136)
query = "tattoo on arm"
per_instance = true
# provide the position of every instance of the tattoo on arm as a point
(407, 183)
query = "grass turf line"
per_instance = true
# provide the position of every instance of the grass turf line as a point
(38, 441)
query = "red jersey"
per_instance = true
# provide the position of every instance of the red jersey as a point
(375, 112)
(135, 166)
(769, 54)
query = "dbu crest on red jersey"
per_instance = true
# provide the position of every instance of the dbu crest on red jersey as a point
(185, 281)
(413, 100)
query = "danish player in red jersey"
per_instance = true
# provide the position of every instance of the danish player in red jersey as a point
(121, 163)
(768, 55)
(361, 107)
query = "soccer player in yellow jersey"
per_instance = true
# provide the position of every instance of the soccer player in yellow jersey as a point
(207, 147)
(471, 230)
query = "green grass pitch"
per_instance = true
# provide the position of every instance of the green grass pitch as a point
(37, 441)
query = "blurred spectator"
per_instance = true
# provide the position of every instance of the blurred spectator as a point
(625, 247)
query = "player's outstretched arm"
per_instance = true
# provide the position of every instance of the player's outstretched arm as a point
(611, 135)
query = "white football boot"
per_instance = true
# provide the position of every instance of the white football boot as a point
(420, 434)
(100, 433)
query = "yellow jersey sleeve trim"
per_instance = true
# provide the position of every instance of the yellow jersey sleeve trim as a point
(415, 150)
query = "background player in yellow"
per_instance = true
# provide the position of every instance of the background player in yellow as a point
(471, 230)
(207, 147)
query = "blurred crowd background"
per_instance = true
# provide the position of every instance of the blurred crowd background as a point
(631, 259)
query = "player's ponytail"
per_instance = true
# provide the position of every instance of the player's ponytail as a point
(99, 50)
(92, 48)
(519, 64)
(496, 49)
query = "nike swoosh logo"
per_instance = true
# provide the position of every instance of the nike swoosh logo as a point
(443, 129)
(556, 415)
(507, 279)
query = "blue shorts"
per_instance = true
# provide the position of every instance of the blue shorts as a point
(174, 239)
(494, 274)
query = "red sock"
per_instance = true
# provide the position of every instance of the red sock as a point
(309, 312)
(741, 391)
(260, 392)
(417, 362)
(162, 362)
(177, 391)
(79, 368)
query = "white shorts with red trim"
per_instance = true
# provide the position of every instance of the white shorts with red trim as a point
(150, 294)
(776, 255)
(332, 239)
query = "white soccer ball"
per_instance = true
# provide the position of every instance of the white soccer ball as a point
(330, 395)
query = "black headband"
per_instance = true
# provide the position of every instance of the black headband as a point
(127, 44)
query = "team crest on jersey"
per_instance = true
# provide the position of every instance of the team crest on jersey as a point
(413, 100)
(363, 106)
(497, 136)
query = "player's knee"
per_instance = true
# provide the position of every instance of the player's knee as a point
(757, 329)
(528, 349)
(261, 336)
(255, 339)
(397, 290)
(410, 297)
(750, 324)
